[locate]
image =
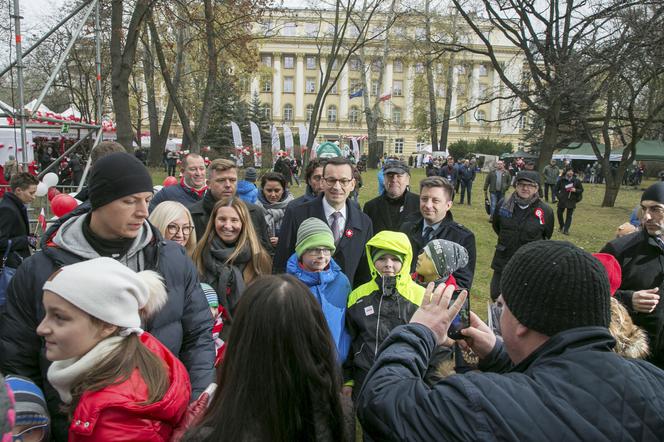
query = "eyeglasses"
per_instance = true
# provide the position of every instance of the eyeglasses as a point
(320, 251)
(525, 184)
(28, 432)
(173, 229)
(343, 181)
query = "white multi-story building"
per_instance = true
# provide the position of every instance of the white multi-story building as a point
(293, 56)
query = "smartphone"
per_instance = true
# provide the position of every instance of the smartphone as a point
(462, 320)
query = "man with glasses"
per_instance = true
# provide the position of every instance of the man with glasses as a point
(519, 219)
(641, 258)
(350, 227)
(314, 178)
(192, 186)
(397, 204)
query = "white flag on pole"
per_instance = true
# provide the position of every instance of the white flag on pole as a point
(276, 144)
(288, 140)
(237, 136)
(256, 143)
(356, 148)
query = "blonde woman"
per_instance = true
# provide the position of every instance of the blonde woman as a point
(174, 222)
(229, 255)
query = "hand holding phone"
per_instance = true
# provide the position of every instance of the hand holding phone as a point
(462, 319)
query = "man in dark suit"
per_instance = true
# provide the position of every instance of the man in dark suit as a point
(397, 204)
(14, 224)
(436, 222)
(350, 227)
(222, 183)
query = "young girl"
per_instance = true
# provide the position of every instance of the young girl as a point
(280, 377)
(118, 382)
(229, 255)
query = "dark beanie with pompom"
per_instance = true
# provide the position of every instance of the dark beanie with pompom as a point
(115, 176)
(553, 286)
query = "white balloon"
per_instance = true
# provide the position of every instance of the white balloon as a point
(42, 189)
(50, 179)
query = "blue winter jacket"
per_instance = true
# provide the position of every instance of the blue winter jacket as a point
(331, 288)
(247, 191)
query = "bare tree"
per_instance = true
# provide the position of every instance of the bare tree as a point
(556, 40)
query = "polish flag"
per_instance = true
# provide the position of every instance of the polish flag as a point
(385, 97)
(41, 220)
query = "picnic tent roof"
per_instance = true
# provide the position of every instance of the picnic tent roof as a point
(646, 150)
(519, 154)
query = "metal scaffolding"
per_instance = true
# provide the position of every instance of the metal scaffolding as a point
(19, 114)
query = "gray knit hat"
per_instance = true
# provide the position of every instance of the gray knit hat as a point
(313, 233)
(447, 256)
(552, 286)
(250, 174)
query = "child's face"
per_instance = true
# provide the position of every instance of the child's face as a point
(69, 332)
(388, 265)
(425, 266)
(316, 260)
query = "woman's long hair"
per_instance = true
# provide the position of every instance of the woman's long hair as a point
(261, 261)
(280, 379)
(118, 366)
(167, 212)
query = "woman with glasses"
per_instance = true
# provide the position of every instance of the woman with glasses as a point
(229, 254)
(174, 222)
(274, 197)
(312, 264)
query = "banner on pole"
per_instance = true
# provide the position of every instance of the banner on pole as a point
(288, 140)
(256, 143)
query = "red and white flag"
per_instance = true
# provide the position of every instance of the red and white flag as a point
(385, 97)
(41, 220)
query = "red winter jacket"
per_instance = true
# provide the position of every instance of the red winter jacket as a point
(115, 413)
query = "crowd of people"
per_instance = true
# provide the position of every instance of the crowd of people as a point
(223, 308)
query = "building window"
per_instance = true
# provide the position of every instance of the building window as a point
(266, 60)
(332, 114)
(420, 33)
(398, 145)
(335, 65)
(311, 62)
(354, 115)
(289, 29)
(396, 116)
(244, 84)
(266, 83)
(310, 85)
(523, 121)
(374, 88)
(461, 119)
(355, 86)
(311, 29)
(288, 84)
(397, 66)
(377, 64)
(310, 111)
(335, 89)
(354, 64)
(400, 31)
(397, 88)
(480, 116)
(267, 111)
(483, 71)
(288, 112)
(289, 62)
(461, 69)
(419, 68)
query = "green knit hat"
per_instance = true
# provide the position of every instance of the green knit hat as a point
(381, 252)
(313, 233)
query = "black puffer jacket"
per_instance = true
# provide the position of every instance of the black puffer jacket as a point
(572, 388)
(184, 325)
(14, 226)
(642, 264)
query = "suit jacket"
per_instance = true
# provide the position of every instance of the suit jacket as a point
(14, 225)
(378, 211)
(449, 230)
(350, 253)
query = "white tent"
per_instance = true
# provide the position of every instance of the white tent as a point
(9, 138)
(42, 108)
(71, 111)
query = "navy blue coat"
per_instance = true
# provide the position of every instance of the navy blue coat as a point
(14, 226)
(178, 193)
(183, 325)
(571, 388)
(350, 253)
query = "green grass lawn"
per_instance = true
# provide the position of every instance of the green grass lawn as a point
(592, 225)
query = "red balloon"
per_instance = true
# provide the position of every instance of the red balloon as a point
(52, 193)
(170, 181)
(63, 204)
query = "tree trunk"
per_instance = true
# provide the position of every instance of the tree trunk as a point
(122, 63)
(445, 126)
(549, 139)
(431, 86)
(611, 189)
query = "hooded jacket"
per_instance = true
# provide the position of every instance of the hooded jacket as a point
(184, 325)
(247, 191)
(117, 412)
(373, 311)
(14, 226)
(331, 288)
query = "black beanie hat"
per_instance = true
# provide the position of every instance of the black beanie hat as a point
(552, 286)
(654, 193)
(117, 175)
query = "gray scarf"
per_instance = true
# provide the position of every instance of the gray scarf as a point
(226, 278)
(515, 199)
(274, 212)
